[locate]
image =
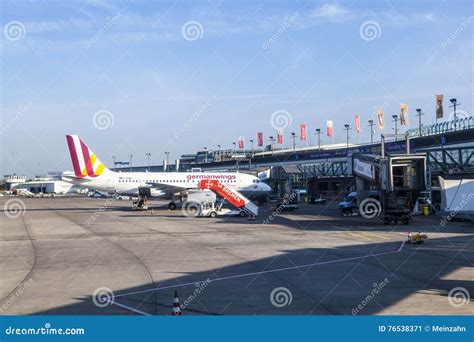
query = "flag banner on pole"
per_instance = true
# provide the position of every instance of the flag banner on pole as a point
(329, 129)
(403, 114)
(380, 119)
(357, 123)
(241, 142)
(260, 139)
(303, 132)
(439, 106)
(280, 137)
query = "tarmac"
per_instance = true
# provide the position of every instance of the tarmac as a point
(76, 256)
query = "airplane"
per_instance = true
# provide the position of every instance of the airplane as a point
(90, 172)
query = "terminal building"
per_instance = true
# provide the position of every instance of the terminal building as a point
(327, 169)
(10, 181)
(49, 184)
(45, 186)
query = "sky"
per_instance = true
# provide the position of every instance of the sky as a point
(137, 77)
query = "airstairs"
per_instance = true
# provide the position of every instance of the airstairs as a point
(230, 195)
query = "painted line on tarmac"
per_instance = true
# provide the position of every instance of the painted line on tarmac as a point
(359, 235)
(128, 308)
(376, 235)
(398, 250)
(402, 244)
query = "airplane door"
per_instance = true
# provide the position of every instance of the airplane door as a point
(110, 186)
(240, 182)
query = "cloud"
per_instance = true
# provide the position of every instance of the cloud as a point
(336, 13)
(400, 19)
(103, 5)
(332, 12)
(144, 27)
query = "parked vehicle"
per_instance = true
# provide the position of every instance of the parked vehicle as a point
(213, 209)
(350, 203)
(288, 201)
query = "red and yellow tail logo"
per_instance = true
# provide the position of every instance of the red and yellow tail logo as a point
(84, 161)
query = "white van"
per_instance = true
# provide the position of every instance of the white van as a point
(349, 203)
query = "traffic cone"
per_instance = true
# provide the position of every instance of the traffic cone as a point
(409, 236)
(176, 308)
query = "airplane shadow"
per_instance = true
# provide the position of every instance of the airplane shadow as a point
(356, 279)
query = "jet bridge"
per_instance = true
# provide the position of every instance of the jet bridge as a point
(400, 180)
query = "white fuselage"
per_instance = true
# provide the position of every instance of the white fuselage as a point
(167, 183)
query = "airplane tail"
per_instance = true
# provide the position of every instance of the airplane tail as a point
(84, 161)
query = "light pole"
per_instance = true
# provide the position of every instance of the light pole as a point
(271, 143)
(318, 132)
(113, 160)
(347, 128)
(148, 155)
(167, 161)
(205, 149)
(251, 154)
(395, 120)
(219, 152)
(131, 162)
(236, 159)
(13, 168)
(455, 103)
(418, 110)
(371, 125)
(293, 136)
